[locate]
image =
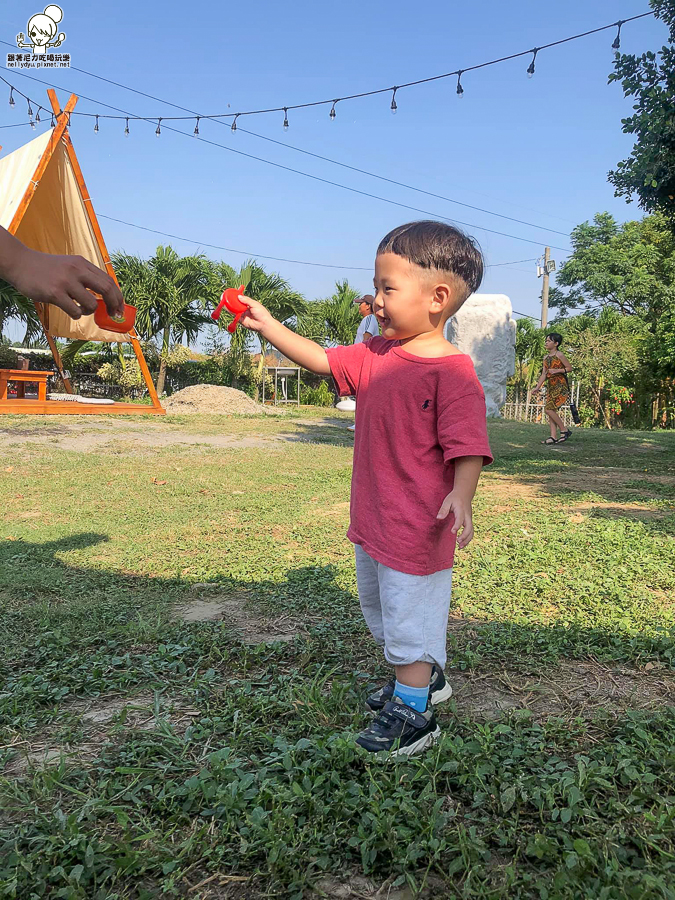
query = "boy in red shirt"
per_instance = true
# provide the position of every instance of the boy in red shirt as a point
(416, 464)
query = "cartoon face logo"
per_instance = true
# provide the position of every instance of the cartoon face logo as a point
(42, 31)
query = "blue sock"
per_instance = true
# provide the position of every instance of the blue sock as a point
(417, 698)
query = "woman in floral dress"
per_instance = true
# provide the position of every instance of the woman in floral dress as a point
(554, 373)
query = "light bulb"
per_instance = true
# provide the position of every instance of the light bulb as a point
(96, 126)
(196, 131)
(530, 70)
(30, 110)
(37, 115)
(617, 40)
(234, 123)
(332, 111)
(12, 101)
(32, 124)
(158, 130)
(393, 106)
(126, 129)
(285, 119)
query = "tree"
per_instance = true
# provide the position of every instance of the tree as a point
(333, 320)
(629, 268)
(170, 293)
(14, 305)
(530, 351)
(649, 172)
(270, 289)
(605, 354)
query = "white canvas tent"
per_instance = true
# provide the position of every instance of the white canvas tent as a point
(45, 203)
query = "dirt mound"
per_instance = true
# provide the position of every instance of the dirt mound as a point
(211, 398)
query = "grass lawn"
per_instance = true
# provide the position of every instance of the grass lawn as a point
(184, 665)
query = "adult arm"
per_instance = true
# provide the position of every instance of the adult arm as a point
(542, 379)
(300, 349)
(65, 281)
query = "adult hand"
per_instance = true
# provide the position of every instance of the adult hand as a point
(256, 317)
(460, 507)
(66, 282)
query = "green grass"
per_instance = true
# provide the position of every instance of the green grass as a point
(245, 764)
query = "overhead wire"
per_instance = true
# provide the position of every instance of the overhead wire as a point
(177, 237)
(280, 165)
(395, 88)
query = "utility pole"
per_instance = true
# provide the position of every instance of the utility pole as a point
(545, 271)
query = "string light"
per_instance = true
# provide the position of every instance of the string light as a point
(285, 118)
(158, 130)
(126, 129)
(196, 131)
(332, 114)
(530, 68)
(37, 114)
(96, 126)
(30, 116)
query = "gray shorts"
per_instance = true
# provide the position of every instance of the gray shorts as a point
(407, 614)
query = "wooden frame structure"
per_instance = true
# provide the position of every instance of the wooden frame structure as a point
(72, 407)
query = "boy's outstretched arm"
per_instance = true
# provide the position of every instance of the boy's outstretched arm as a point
(300, 349)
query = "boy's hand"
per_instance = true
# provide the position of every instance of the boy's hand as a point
(256, 317)
(460, 507)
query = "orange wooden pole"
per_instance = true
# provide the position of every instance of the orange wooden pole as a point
(98, 234)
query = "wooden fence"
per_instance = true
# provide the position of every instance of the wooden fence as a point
(521, 406)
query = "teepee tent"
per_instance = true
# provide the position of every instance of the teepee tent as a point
(45, 203)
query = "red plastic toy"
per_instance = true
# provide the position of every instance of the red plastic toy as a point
(120, 324)
(231, 301)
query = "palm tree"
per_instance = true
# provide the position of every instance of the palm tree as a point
(333, 320)
(14, 305)
(529, 351)
(170, 293)
(270, 289)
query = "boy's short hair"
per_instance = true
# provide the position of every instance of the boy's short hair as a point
(554, 336)
(440, 247)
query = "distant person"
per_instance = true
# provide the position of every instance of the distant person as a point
(64, 281)
(368, 328)
(554, 372)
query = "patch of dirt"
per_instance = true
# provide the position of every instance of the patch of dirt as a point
(98, 715)
(507, 488)
(235, 611)
(215, 399)
(594, 480)
(571, 689)
(622, 510)
(358, 887)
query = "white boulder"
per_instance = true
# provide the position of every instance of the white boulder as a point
(485, 330)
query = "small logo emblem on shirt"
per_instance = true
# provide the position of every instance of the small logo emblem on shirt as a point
(426, 404)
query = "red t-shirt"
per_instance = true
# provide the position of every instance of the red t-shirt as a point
(414, 416)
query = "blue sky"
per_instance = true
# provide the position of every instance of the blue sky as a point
(534, 149)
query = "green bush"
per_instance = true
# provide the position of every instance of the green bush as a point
(321, 395)
(9, 358)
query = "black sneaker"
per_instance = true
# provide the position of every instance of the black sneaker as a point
(400, 730)
(439, 690)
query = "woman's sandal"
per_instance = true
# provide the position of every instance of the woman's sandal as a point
(564, 435)
(550, 440)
